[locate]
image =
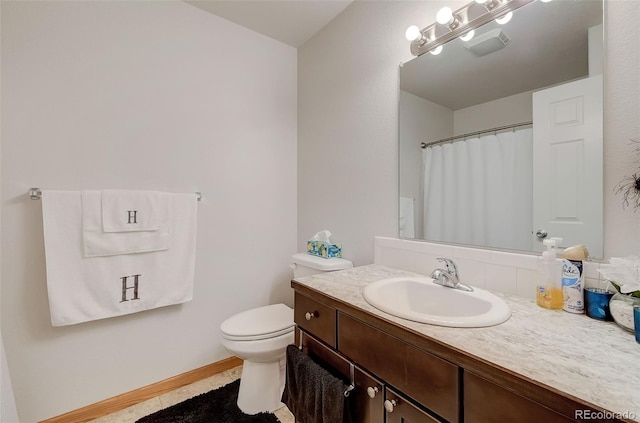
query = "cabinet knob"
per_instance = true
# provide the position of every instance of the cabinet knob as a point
(389, 405)
(372, 391)
(310, 315)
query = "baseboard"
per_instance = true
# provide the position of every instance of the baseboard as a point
(122, 401)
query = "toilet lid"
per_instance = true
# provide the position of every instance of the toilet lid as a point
(259, 323)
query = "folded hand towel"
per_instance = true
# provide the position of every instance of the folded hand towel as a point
(127, 210)
(82, 289)
(312, 394)
(98, 243)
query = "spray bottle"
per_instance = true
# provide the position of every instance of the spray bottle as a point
(549, 283)
(572, 278)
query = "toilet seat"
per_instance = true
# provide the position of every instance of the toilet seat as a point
(259, 323)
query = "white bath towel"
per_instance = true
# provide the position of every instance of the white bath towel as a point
(82, 289)
(129, 210)
(98, 243)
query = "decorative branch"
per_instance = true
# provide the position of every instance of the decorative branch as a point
(629, 186)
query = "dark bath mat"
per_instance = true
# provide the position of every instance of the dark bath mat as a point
(217, 406)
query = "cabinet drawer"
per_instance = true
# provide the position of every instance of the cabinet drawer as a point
(486, 402)
(424, 377)
(315, 318)
(400, 410)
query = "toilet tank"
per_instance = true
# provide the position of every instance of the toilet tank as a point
(304, 264)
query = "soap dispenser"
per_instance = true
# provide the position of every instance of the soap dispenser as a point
(549, 278)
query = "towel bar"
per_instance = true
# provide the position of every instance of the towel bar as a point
(352, 376)
(352, 367)
(36, 194)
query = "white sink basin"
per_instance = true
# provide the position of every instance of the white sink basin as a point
(421, 300)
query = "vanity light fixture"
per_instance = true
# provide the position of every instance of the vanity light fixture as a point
(413, 34)
(505, 18)
(436, 50)
(468, 36)
(446, 17)
(460, 23)
(489, 4)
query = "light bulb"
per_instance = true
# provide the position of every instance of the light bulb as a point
(436, 50)
(469, 35)
(412, 33)
(481, 1)
(444, 16)
(505, 18)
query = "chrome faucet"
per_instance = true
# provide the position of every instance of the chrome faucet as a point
(449, 276)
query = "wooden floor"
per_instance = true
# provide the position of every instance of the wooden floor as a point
(131, 406)
(133, 413)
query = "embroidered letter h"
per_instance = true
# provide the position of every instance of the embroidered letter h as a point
(132, 216)
(125, 288)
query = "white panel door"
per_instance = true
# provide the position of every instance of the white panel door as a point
(567, 164)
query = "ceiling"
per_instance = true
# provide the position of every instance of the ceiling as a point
(548, 45)
(292, 22)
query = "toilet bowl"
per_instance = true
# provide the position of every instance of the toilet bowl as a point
(260, 337)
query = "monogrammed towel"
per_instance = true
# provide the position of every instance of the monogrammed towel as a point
(90, 288)
(97, 242)
(130, 211)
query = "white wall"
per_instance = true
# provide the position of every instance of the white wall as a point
(8, 411)
(493, 114)
(421, 121)
(347, 117)
(141, 95)
(348, 92)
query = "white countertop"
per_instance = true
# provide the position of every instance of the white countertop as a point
(592, 360)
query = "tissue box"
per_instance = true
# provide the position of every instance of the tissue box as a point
(324, 249)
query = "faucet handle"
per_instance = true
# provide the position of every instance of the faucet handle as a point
(450, 265)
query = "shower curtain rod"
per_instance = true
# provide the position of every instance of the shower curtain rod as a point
(464, 136)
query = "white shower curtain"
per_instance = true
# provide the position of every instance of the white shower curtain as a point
(479, 191)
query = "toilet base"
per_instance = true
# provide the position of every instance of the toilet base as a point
(258, 392)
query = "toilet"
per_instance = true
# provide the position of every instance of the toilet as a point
(260, 337)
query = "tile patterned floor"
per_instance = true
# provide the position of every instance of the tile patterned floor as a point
(133, 413)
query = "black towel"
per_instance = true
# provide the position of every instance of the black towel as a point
(311, 393)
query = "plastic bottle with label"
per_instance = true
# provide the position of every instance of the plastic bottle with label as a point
(549, 282)
(572, 278)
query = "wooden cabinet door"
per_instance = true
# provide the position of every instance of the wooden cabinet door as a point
(369, 398)
(486, 402)
(421, 376)
(399, 410)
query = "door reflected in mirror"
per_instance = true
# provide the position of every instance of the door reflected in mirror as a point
(501, 136)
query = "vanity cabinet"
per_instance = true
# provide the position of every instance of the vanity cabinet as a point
(486, 402)
(429, 380)
(413, 378)
(368, 396)
(425, 378)
(398, 409)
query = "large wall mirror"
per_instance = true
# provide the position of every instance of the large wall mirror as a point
(501, 136)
